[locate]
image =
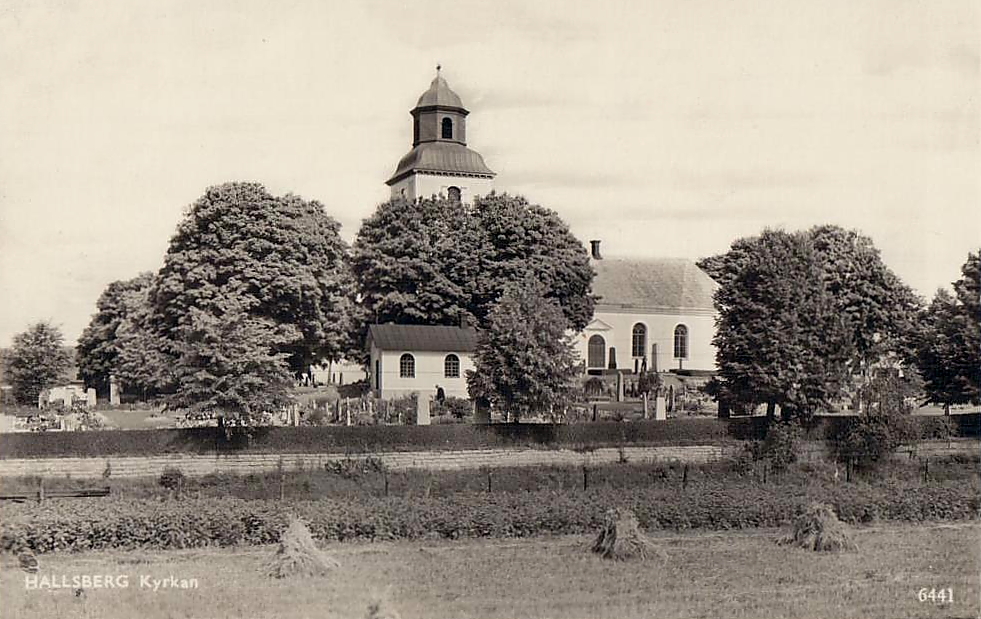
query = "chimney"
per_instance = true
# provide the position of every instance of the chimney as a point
(464, 321)
(594, 249)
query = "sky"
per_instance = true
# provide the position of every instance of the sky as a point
(663, 128)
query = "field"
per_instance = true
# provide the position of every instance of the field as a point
(705, 575)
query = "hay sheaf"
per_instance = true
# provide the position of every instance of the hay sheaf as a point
(818, 528)
(621, 539)
(298, 555)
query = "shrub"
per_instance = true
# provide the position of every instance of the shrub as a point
(457, 407)
(868, 440)
(781, 444)
(172, 478)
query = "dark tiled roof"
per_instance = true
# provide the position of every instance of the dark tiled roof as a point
(423, 338)
(439, 93)
(441, 157)
(652, 283)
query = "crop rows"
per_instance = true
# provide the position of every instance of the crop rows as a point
(62, 525)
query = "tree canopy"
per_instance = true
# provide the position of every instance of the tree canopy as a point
(281, 258)
(98, 349)
(879, 308)
(37, 361)
(433, 261)
(524, 361)
(781, 339)
(948, 347)
(253, 286)
(228, 361)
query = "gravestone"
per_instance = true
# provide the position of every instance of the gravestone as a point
(660, 409)
(620, 393)
(113, 391)
(422, 410)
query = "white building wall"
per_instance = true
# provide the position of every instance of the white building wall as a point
(426, 185)
(429, 373)
(616, 328)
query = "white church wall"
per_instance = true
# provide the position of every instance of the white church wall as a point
(616, 328)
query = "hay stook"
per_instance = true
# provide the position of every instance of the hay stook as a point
(817, 528)
(298, 555)
(621, 539)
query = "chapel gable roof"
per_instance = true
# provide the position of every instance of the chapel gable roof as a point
(423, 338)
(652, 283)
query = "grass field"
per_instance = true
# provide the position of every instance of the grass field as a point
(706, 575)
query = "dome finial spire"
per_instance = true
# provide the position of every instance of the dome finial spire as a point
(438, 67)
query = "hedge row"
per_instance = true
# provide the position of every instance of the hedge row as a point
(340, 439)
(118, 523)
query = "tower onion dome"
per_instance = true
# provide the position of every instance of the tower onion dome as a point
(440, 94)
(439, 137)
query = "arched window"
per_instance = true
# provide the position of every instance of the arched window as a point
(681, 342)
(447, 129)
(451, 366)
(453, 193)
(638, 343)
(407, 366)
(596, 353)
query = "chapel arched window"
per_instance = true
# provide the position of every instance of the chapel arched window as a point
(407, 366)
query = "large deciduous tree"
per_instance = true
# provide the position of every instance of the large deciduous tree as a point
(98, 349)
(524, 362)
(879, 308)
(37, 360)
(253, 285)
(412, 262)
(229, 361)
(948, 348)
(433, 261)
(781, 339)
(281, 257)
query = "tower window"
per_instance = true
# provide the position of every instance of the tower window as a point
(453, 193)
(447, 129)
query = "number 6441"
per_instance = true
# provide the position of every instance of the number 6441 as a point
(937, 596)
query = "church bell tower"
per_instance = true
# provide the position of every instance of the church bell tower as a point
(440, 162)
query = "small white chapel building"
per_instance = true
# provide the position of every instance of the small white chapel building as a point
(407, 359)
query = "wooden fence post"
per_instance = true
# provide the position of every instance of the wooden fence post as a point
(684, 478)
(585, 478)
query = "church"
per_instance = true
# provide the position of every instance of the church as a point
(651, 313)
